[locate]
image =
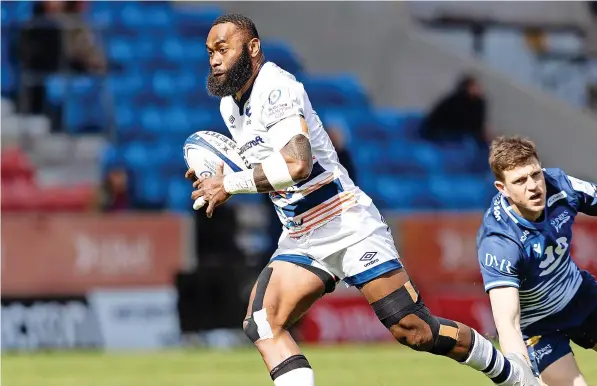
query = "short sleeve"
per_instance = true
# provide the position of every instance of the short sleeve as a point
(282, 110)
(586, 195)
(499, 259)
(281, 103)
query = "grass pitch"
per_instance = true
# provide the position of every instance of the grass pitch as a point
(350, 365)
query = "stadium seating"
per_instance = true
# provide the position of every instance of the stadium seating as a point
(157, 98)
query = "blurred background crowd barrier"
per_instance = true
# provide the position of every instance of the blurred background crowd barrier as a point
(100, 247)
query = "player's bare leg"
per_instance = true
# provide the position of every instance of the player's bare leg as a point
(283, 293)
(563, 372)
(397, 303)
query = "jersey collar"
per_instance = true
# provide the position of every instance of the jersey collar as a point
(521, 220)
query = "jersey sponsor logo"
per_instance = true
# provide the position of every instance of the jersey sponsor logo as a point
(368, 257)
(254, 142)
(559, 221)
(538, 355)
(524, 236)
(274, 96)
(278, 111)
(556, 197)
(537, 249)
(502, 265)
(496, 209)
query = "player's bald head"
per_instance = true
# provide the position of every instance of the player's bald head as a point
(238, 24)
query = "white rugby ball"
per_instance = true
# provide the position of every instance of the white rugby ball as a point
(205, 150)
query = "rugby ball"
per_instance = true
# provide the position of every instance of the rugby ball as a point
(205, 150)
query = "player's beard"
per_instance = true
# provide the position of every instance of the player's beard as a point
(234, 79)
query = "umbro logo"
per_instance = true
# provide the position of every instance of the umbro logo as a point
(368, 256)
(231, 119)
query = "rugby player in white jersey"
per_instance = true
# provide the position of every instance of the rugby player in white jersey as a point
(331, 229)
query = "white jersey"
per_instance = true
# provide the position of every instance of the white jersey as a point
(256, 124)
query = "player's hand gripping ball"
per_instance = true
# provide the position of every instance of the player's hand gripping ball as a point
(211, 189)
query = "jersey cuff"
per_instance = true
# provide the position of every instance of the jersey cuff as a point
(501, 283)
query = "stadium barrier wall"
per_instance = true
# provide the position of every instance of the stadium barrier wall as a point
(91, 281)
(107, 281)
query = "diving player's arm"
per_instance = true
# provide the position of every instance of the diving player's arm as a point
(505, 306)
(499, 259)
(282, 115)
(586, 195)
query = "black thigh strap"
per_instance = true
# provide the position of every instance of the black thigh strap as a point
(328, 280)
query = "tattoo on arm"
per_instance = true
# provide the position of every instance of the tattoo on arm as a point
(297, 150)
(261, 182)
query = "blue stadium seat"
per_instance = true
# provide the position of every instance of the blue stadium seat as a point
(120, 50)
(152, 119)
(149, 190)
(335, 91)
(14, 12)
(9, 81)
(281, 54)
(411, 158)
(136, 155)
(460, 192)
(195, 21)
(179, 195)
(401, 193)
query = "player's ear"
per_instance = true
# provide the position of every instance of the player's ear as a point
(254, 47)
(499, 185)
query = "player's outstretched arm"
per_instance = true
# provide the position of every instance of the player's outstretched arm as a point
(505, 305)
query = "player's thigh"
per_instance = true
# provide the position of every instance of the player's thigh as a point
(586, 334)
(373, 265)
(548, 354)
(284, 291)
(563, 372)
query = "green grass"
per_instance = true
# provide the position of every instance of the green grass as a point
(372, 365)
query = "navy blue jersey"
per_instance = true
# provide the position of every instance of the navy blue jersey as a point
(535, 256)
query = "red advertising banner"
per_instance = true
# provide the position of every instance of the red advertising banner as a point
(71, 254)
(334, 319)
(440, 249)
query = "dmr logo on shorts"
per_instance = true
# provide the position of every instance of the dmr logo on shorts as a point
(368, 257)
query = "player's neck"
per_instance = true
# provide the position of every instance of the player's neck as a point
(526, 214)
(247, 85)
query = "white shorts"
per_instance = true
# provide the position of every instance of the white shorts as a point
(355, 247)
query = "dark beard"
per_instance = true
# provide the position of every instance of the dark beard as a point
(235, 78)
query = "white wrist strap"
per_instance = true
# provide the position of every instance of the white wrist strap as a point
(276, 171)
(240, 182)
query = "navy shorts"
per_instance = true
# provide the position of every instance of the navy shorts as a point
(546, 348)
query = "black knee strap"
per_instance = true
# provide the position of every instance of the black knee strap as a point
(292, 363)
(406, 301)
(445, 337)
(395, 306)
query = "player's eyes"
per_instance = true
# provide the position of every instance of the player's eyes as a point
(223, 50)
